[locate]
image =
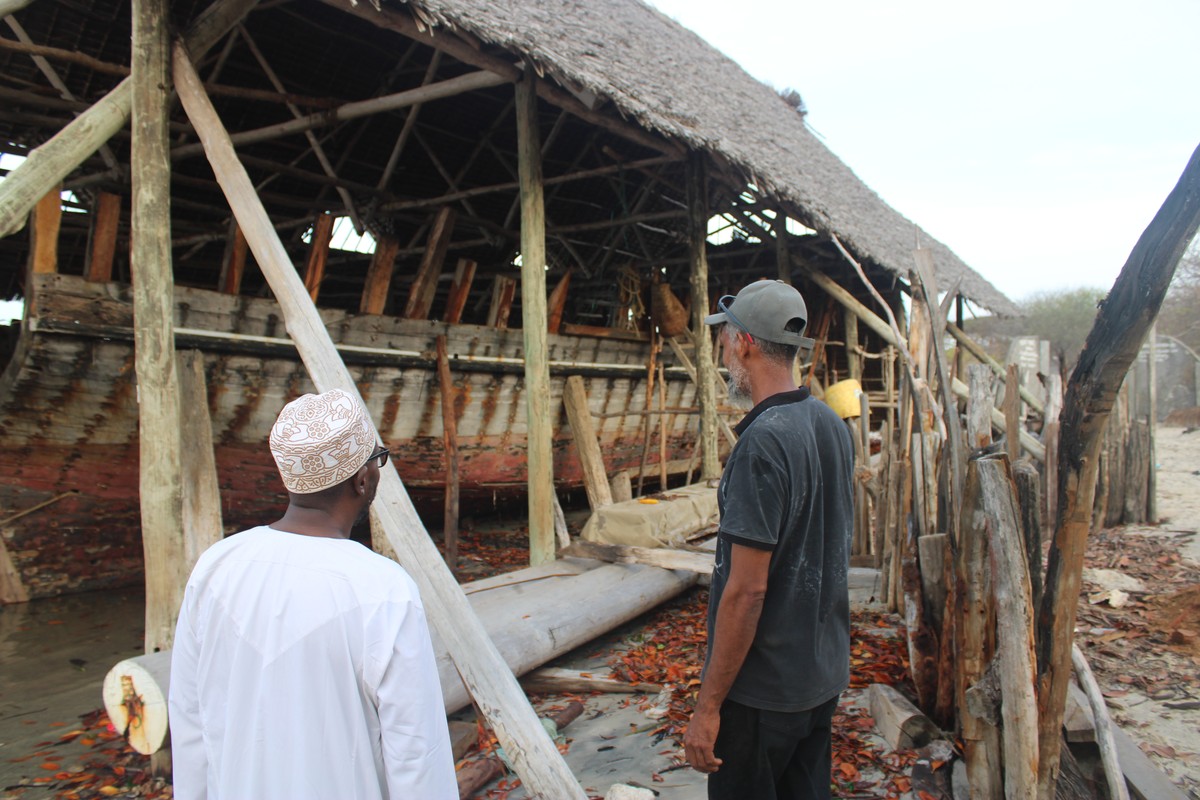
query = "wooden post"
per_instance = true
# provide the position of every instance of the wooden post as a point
(1117, 334)
(460, 289)
(1014, 626)
(1012, 413)
(1028, 481)
(655, 344)
(979, 412)
(557, 303)
(160, 448)
(106, 220)
(45, 221)
(48, 164)
(503, 290)
(662, 428)
(235, 266)
(1152, 426)
(1050, 438)
(483, 669)
(202, 526)
(852, 354)
(595, 479)
(706, 370)
(378, 284)
(424, 287)
(533, 324)
(318, 254)
(450, 448)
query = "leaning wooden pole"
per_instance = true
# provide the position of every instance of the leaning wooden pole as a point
(490, 681)
(1113, 343)
(533, 325)
(160, 486)
(706, 370)
(48, 164)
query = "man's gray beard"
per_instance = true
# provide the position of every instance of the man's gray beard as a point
(739, 392)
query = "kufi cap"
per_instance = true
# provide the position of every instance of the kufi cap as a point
(769, 310)
(321, 440)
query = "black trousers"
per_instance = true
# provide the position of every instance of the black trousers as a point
(773, 755)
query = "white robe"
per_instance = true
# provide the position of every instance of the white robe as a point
(302, 668)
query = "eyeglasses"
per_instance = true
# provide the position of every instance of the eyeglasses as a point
(382, 454)
(724, 305)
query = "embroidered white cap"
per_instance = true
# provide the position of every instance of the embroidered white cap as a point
(320, 440)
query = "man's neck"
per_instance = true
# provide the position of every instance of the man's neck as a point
(314, 522)
(769, 383)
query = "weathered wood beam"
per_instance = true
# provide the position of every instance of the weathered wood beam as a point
(583, 431)
(557, 303)
(12, 6)
(450, 449)
(540, 457)
(706, 370)
(202, 525)
(973, 347)
(49, 164)
(45, 222)
(462, 84)
(475, 657)
(503, 290)
(410, 122)
(460, 290)
(379, 276)
(235, 265)
(1112, 345)
(318, 254)
(105, 224)
(424, 286)
(403, 23)
(159, 432)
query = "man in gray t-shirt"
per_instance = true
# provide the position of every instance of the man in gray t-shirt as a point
(779, 610)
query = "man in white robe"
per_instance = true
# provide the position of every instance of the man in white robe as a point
(302, 665)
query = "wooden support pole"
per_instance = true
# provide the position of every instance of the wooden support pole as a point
(378, 284)
(318, 254)
(706, 370)
(533, 324)
(504, 289)
(1151, 515)
(424, 287)
(106, 220)
(202, 526)
(1014, 627)
(651, 362)
(460, 290)
(852, 354)
(53, 161)
(475, 657)
(595, 478)
(995, 366)
(557, 303)
(450, 448)
(160, 446)
(45, 221)
(235, 266)
(662, 428)
(979, 413)
(1012, 412)
(1115, 338)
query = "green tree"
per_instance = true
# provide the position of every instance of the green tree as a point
(1064, 317)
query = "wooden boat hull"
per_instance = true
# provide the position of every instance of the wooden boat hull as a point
(68, 416)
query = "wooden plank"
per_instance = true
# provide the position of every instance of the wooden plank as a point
(53, 161)
(540, 437)
(106, 221)
(1145, 780)
(318, 254)
(555, 680)
(475, 658)
(44, 223)
(450, 448)
(595, 478)
(201, 493)
(504, 290)
(1111, 347)
(460, 290)
(424, 287)
(378, 284)
(557, 302)
(706, 370)
(160, 446)
(235, 267)
(661, 557)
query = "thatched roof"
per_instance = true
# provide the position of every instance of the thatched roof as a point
(673, 82)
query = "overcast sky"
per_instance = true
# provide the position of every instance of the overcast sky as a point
(1035, 139)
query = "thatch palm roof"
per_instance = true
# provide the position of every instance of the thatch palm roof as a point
(673, 82)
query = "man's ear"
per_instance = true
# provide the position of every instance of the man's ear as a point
(360, 480)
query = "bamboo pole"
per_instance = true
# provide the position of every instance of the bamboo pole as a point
(1111, 347)
(160, 447)
(50, 163)
(533, 324)
(491, 683)
(706, 370)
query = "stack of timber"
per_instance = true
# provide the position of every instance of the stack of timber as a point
(68, 400)
(532, 616)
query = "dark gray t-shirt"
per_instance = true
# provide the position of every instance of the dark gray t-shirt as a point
(787, 488)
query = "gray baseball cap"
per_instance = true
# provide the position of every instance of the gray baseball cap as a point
(769, 310)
